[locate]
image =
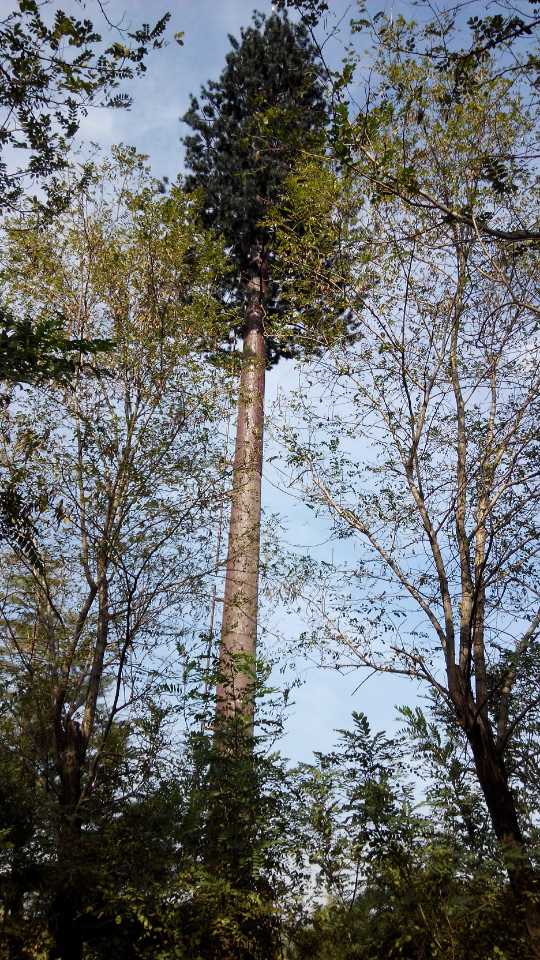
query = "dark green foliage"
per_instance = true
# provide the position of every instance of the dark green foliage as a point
(250, 129)
(16, 525)
(401, 876)
(311, 11)
(254, 130)
(421, 909)
(150, 879)
(242, 834)
(124, 855)
(239, 833)
(411, 867)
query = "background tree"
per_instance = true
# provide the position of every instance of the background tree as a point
(54, 67)
(406, 860)
(460, 50)
(441, 389)
(117, 473)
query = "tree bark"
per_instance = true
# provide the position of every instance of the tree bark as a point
(501, 806)
(240, 602)
(64, 925)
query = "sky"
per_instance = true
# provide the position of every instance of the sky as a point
(325, 700)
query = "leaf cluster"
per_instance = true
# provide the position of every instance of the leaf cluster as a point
(51, 71)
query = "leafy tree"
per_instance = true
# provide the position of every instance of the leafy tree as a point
(37, 353)
(310, 10)
(441, 388)
(401, 871)
(145, 884)
(117, 473)
(459, 52)
(53, 69)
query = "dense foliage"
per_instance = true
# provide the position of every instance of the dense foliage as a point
(250, 128)
(54, 67)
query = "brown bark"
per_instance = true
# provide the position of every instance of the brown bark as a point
(240, 602)
(493, 779)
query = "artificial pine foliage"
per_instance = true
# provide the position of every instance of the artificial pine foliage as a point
(250, 129)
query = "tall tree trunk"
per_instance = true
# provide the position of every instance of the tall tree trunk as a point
(501, 806)
(64, 919)
(240, 602)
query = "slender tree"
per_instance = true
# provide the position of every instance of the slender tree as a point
(443, 389)
(116, 478)
(249, 131)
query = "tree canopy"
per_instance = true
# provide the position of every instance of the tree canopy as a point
(250, 127)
